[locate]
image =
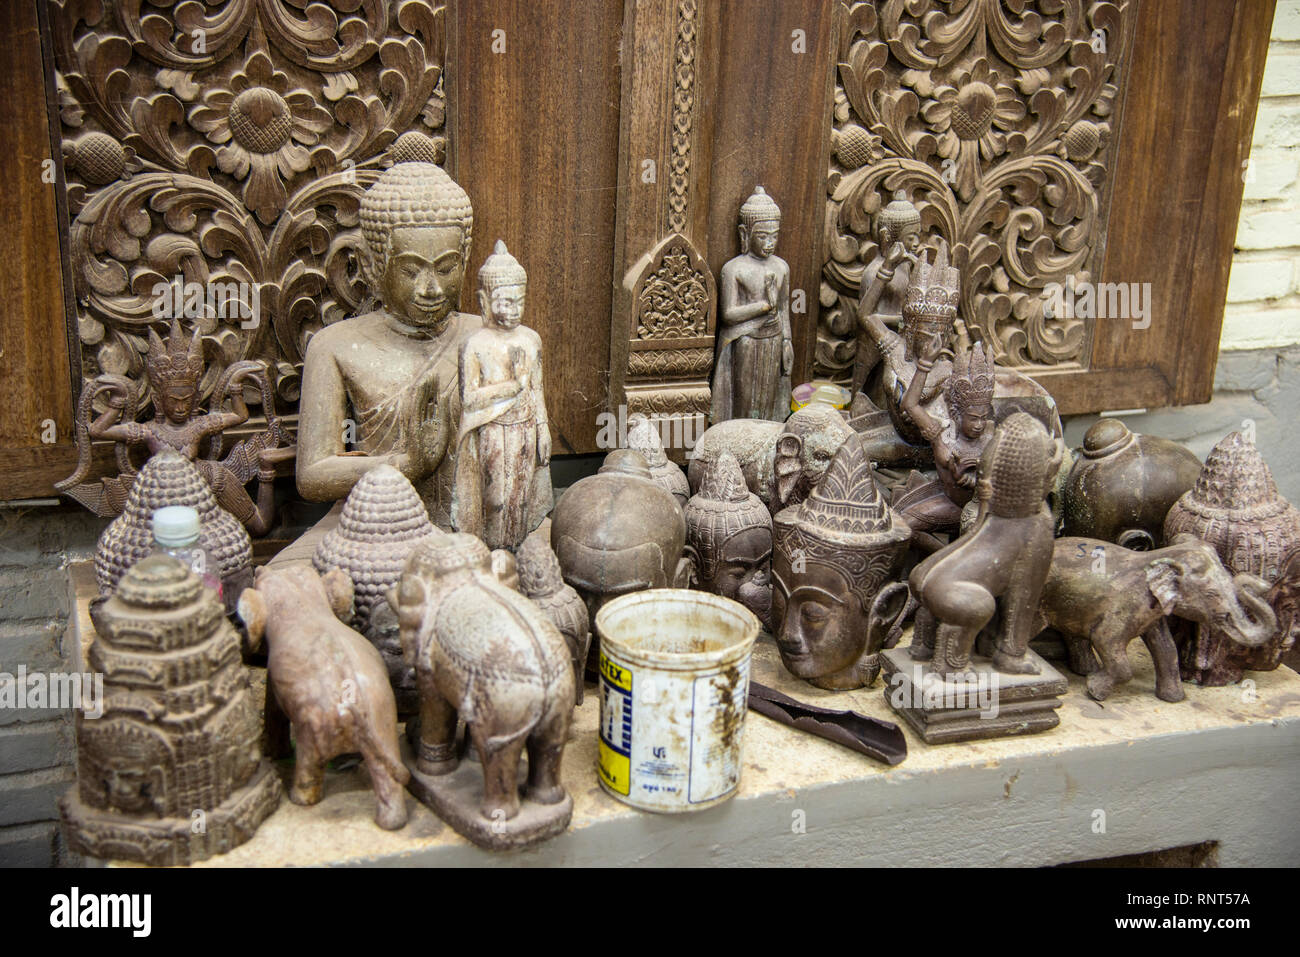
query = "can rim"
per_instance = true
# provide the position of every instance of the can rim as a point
(737, 649)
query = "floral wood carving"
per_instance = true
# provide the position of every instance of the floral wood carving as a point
(674, 297)
(995, 117)
(683, 113)
(674, 301)
(229, 143)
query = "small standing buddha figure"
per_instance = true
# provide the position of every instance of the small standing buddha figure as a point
(755, 356)
(174, 369)
(885, 279)
(503, 445)
(386, 382)
(936, 506)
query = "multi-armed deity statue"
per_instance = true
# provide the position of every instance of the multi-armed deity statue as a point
(386, 382)
(958, 443)
(751, 379)
(930, 314)
(885, 279)
(503, 444)
(174, 369)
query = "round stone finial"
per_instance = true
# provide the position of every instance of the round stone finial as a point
(1105, 437)
(159, 581)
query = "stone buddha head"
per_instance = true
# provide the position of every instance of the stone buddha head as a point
(760, 223)
(174, 369)
(502, 284)
(417, 225)
(617, 532)
(834, 561)
(930, 306)
(730, 530)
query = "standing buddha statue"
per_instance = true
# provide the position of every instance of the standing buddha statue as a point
(751, 379)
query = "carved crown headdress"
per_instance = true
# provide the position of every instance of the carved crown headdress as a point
(178, 361)
(722, 508)
(971, 382)
(760, 208)
(935, 289)
(501, 269)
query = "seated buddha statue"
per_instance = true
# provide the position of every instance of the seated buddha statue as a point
(383, 388)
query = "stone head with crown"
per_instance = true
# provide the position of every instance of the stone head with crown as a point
(835, 558)
(930, 307)
(382, 388)
(174, 368)
(729, 530)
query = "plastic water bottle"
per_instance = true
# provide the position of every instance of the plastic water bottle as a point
(176, 533)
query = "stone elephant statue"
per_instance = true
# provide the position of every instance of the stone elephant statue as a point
(1100, 597)
(331, 682)
(782, 462)
(484, 653)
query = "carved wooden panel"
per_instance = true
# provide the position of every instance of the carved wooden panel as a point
(35, 394)
(228, 144)
(532, 135)
(998, 120)
(662, 334)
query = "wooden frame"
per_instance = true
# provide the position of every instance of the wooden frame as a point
(543, 140)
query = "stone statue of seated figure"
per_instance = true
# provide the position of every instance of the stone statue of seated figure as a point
(383, 388)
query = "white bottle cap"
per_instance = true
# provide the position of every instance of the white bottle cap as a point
(175, 525)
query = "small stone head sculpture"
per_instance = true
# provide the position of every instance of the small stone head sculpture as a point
(417, 222)
(835, 603)
(899, 222)
(643, 437)
(617, 532)
(760, 223)
(930, 306)
(502, 285)
(174, 369)
(730, 530)
(541, 580)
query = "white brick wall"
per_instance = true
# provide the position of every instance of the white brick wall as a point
(1263, 309)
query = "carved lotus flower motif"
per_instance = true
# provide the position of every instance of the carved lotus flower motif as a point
(263, 129)
(973, 120)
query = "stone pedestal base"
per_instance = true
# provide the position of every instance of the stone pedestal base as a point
(171, 841)
(989, 704)
(457, 798)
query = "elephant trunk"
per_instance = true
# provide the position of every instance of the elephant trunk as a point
(1253, 622)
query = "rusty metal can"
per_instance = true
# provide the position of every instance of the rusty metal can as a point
(674, 682)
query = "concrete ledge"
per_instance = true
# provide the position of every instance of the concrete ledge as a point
(1131, 775)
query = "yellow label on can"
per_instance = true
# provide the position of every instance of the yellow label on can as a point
(614, 757)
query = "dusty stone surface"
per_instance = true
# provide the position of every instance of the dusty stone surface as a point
(779, 763)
